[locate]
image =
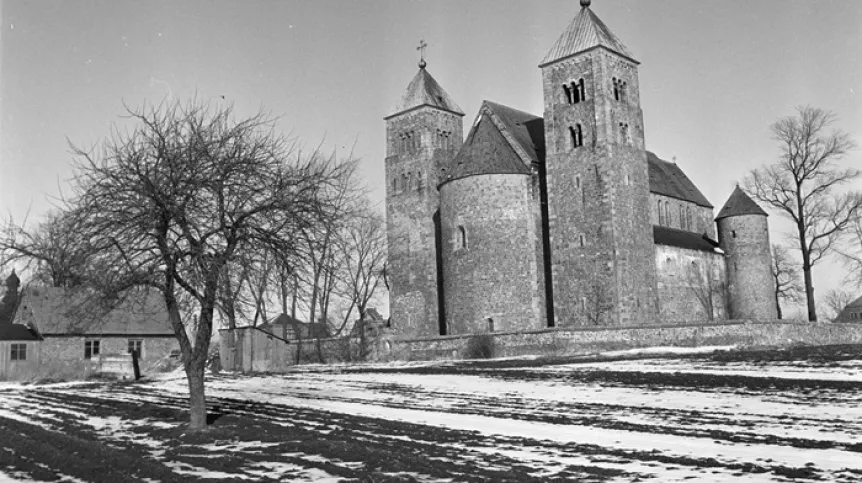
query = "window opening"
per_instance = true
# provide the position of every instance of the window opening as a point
(91, 349)
(582, 240)
(136, 345)
(462, 237)
(667, 213)
(577, 136)
(580, 92)
(490, 323)
(568, 92)
(733, 233)
(578, 182)
(616, 89)
(660, 214)
(19, 352)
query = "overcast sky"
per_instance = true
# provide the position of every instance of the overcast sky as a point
(713, 74)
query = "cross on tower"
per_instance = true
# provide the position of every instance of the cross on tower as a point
(421, 50)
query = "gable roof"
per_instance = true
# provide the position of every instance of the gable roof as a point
(423, 90)
(525, 129)
(17, 332)
(586, 31)
(487, 149)
(738, 204)
(669, 180)
(663, 235)
(54, 311)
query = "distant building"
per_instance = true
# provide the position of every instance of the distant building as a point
(564, 220)
(20, 351)
(851, 313)
(77, 329)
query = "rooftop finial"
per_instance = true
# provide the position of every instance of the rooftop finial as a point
(585, 3)
(421, 50)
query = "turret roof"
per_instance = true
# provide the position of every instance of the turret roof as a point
(586, 31)
(738, 204)
(423, 90)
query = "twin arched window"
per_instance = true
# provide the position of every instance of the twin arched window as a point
(575, 91)
(620, 90)
(409, 141)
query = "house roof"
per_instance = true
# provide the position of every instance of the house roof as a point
(423, 90)
(55, 311)
(491, 148)
(663, 235)
(738, 204)
(586, 31)
(17, 332)
(526, 129)
(669, 180)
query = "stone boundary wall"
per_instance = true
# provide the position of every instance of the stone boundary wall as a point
(275, 356)
(576, 341)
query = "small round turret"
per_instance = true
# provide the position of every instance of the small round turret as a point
(743, 235)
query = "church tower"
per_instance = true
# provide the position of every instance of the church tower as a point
(423, 133)
(601, 240)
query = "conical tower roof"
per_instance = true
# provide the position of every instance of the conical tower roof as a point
(585, 32)
(738, 204)
(424, 91)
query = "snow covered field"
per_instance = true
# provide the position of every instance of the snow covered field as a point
(701, 418)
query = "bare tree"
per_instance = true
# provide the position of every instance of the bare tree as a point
(52, 251)
(801, 186)
(705, 283)
(836, 300)
(785, 275)
(171, 203)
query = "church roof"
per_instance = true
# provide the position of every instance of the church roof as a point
(669, 180)
(423, 90)
(586, 31)
(739, 203)
(502, 141)
(663, 235)
(525, 128)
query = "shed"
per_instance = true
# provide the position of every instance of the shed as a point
(20, 351)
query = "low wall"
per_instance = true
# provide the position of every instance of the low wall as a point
(591, 340)
(273, 355)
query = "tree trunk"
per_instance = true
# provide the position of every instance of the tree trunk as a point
(809, 293)
(777, 305)
(197, 398)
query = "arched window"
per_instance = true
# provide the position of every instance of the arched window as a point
(667, 212)
(405, 182)
(462, 237)
(394, 184)
(660, 214)
(577, 134)
(582, 240)
(568, 93)
(580, 91)
(578, 181)
(624, 95)
(682, 220)
(616, 89)
(625, 135)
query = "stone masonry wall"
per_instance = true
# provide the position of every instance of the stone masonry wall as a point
(413, 167)
(601, 252)
(691, 283)
(496, 272)
(71, 349)
(745, 241)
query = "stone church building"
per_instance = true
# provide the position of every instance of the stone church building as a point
(558, 221)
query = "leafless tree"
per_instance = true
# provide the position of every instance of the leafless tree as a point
(802, 186)
(836, 300)
(785, 275)
(171, 202)
(704, 282)
(52, 252)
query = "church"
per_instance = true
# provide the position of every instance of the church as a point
(564, 220)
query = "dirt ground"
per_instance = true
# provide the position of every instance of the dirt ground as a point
(767, 415)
